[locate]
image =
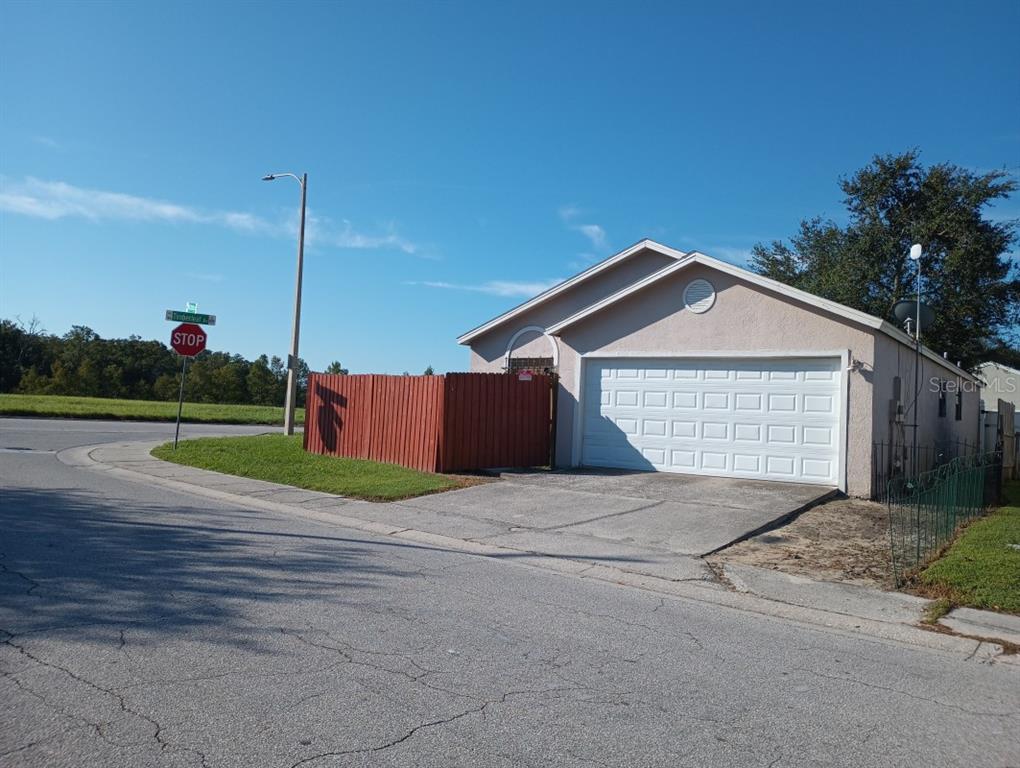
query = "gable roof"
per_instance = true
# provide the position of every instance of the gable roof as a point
(990, 364)
(569, 283)
(694, 257)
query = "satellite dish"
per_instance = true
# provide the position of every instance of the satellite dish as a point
(906, 309)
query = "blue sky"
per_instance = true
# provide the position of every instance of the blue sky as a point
(461, 156)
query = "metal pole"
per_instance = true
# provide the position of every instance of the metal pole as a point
(917, 412)
(917, 366)
(291, 403)
(180, 403)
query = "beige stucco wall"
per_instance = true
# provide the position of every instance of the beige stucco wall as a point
(746, 320)
(487, 351)
(894, 359)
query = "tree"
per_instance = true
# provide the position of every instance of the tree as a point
(336, 368)
(262, 384)
(166, 387)
(429, 371)
(302, 371)
(893, 202)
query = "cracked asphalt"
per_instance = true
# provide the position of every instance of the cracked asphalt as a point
(145, 627)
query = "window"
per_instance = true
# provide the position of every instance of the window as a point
(959, 405)
(942, 400)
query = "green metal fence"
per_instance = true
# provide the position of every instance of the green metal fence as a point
(925, 511)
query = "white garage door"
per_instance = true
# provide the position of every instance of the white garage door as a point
(773, 419)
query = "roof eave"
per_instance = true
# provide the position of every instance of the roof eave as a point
(841, 310)
(559, 288)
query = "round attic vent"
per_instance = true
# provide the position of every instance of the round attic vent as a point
(699, 296)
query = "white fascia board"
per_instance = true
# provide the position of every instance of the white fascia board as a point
(601, 304)
(840, 310)
(1006, 368)
(835, 308)
(569, 283)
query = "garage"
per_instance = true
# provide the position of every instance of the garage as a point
(678, 362)
(765, 418)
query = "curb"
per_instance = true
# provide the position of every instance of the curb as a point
(699, 591)
(779, 522)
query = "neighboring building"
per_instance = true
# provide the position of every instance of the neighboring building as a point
(999, 382)
(679, 362)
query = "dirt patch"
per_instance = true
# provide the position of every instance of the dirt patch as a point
(842, 540)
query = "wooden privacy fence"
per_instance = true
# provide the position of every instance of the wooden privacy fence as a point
(456, 422)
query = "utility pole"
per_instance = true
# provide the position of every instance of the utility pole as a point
(290, 403)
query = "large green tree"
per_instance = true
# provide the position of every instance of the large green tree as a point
(968, 275)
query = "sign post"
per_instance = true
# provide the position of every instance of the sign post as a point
(180, 402)
(187, 340)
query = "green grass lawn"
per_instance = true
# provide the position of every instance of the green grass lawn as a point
(138, 410)
(281, 459)
(980, 569)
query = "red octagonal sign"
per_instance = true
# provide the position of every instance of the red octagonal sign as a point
(187, 339)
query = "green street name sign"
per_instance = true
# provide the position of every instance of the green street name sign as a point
(176, 316)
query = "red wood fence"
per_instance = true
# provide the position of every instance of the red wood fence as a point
(456, 422)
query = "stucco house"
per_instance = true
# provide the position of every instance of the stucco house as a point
(999, 382)
(679, 362)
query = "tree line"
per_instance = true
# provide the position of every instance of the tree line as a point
(34, 362)
(80, 362)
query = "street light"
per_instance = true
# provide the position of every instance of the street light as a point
(915, 256)
(292, 359)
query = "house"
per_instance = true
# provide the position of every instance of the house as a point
(679, 362)
(1000, 394)
(999, 382)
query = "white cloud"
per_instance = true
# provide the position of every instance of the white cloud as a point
(54, 200)
(524, 289)
(595, 233)
(569, 212)
(46, 141)
(348, 238)
(58, 200)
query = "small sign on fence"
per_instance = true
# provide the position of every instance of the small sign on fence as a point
(524, 376)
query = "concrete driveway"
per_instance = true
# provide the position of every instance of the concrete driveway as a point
(643, 518)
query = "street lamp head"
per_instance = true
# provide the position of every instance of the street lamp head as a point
(269, 177)
(915, 251)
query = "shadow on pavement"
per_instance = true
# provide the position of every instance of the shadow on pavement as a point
(74, 559)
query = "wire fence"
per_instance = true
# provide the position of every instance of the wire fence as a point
(924, 511)
(892, 461)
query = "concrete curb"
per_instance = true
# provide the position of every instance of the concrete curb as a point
(975, 623)
(779, 522)
(696, 590)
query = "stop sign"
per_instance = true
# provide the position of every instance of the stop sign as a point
(187, 339)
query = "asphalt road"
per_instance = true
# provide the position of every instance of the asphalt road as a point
(143, 627)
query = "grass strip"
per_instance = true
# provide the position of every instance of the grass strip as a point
(981, 569)
(281, 459)
(66, 407)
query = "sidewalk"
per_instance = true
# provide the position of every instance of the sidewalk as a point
(837, 606)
